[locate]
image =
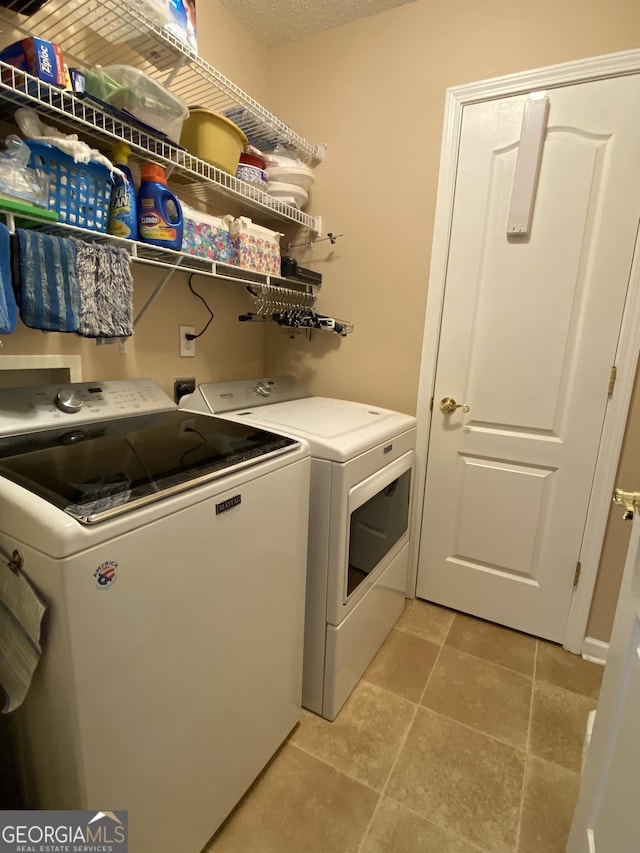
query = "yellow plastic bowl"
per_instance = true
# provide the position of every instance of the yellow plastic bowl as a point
(213, 138)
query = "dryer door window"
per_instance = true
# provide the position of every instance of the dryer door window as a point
(374, 528)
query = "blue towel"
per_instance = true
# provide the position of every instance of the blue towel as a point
(49, 289)
(8, 307)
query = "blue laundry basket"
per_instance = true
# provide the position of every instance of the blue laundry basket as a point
(79, 192)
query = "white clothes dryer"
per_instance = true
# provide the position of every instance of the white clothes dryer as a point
(362, 465)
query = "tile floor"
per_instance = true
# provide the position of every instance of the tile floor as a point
(461, 736)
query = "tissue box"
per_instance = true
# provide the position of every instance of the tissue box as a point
(41, 58)
(206, 236)
(254, 247)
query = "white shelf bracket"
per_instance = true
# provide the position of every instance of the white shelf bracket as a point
(174, 71)
(155, 293)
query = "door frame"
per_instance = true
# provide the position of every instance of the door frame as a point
(628, 349)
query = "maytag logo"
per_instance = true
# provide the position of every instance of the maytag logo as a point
(228, 504)
(63, 831)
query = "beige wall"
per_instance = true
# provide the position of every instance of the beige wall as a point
(227, 350)
(374, 92)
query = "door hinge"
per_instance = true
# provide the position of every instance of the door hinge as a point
(576, 577)
(612, 379)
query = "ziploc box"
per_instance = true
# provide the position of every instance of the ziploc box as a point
(206, 236)
(42, 59)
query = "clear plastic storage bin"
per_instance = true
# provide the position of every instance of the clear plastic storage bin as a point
(129, 89)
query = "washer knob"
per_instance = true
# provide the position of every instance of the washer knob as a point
(68, 400)
(264, 388)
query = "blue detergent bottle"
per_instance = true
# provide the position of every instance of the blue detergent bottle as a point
(159, 212)
(123, 214)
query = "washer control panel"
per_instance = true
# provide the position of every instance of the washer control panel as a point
(24, 410)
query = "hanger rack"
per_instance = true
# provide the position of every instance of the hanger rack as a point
(271, 299)
(290, 308)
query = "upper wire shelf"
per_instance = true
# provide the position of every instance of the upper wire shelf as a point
(97, 32)
(197, 178)
(93, 33)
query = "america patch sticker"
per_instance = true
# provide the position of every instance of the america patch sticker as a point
(106, 575)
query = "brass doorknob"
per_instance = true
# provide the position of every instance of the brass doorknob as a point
(629, 500)
(448, 405)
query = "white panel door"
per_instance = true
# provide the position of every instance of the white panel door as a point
(527, 341)
(606, 819)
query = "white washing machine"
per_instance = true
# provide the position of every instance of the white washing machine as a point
(172, 644)
(359, 522)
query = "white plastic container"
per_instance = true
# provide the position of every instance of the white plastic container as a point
(301, 176)
(288, 193)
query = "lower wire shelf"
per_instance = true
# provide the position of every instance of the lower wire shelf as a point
(273, 295)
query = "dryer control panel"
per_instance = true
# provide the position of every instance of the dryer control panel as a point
(31, 409)
(248, 393)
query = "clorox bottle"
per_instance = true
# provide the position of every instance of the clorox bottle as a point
(123, 216)
(159, 211)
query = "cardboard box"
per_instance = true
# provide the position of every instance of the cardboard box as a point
(42, 59)
(206, 236)
(255, 247)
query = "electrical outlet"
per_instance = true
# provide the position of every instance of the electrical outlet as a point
(187, 347)
(183, 385)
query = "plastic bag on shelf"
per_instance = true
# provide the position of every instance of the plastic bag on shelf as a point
(118, 30)
(280, 155)
(32, 127)
(17, 179)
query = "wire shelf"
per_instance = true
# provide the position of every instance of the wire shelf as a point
(198, 178)
(91, 31)
(96, 32)
(146, 253)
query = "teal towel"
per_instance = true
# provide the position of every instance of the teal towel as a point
(8, 307)
(49, 289)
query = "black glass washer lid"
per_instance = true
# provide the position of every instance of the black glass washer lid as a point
(99, 470)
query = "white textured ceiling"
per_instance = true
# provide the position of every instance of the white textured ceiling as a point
(273, 22)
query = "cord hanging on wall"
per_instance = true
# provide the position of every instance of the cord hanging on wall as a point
(202, 299)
